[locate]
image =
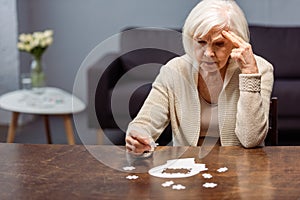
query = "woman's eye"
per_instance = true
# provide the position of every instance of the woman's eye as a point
(220, 44)
(201, 42)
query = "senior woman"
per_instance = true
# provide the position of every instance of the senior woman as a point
(218, 89)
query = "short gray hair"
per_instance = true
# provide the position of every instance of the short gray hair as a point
(210, 14)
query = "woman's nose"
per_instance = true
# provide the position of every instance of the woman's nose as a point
(208, 52)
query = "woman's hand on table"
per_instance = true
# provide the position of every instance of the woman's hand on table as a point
(138, 143)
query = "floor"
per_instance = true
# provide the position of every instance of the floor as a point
(34, 133)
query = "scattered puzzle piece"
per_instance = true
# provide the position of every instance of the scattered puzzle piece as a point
(206, 175)
(209, 185)
(178, 187)
(132, 177)
(167, 183)
(128, 168)
(222, 169)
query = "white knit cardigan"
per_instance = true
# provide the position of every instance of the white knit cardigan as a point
(243, 104)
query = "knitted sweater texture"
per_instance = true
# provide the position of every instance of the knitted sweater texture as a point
(243, 104)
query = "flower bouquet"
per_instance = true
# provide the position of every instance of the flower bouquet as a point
(36, 44)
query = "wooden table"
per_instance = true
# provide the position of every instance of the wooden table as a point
(53, 102)
(72, 172)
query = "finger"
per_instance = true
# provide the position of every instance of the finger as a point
(140, 147)
(130, 147)
(238, 51)
(245, 54)
(233, 38)
(132, 144)
(128, 140)
(241, 40)
(141, 137)
(134, 150)
(238, 57)
(241, 61)
(132, 141)
(143, 140)
(128, 144)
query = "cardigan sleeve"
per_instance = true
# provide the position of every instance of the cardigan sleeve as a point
(252, 121)
(153, 117)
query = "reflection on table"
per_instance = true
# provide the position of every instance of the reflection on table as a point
(96, 172)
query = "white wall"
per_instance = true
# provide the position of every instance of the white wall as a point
(80, 25)
(271, 12)
(9, 62)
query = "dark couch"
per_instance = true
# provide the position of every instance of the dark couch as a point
(120, 82)
(281, 46)
(147, 49)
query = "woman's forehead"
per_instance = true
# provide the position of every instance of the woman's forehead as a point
(213, 34)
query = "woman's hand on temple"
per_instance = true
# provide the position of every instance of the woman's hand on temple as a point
(242, 53)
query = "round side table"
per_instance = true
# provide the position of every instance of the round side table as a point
(53, 101)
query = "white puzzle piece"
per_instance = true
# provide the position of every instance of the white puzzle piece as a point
(207, 175)
(209, 185)
(178, 168)
(128, 168)
(178, 187)
(167, 183)
(222, 169)
(131, 177)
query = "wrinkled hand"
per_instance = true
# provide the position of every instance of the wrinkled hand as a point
(242, 53)
(138, 143)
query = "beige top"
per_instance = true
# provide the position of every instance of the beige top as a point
(209, 119)
(243, 104)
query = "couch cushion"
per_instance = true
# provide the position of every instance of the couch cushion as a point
(122, 96)
(149, 45)
(280, 46)
(157, 38)
(288, 124)
(288, 95)
(144, 64)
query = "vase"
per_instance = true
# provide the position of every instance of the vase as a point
(38, 78)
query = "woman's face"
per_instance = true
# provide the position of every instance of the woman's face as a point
(212, 51)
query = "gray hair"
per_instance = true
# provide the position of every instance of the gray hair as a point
(210, 14)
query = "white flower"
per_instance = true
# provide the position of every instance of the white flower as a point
(48, 33)
(27, 48)
(23, 37)
(35, 43)
(21, 46)
(38, 35)
(49, 41)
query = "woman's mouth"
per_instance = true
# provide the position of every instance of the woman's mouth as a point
(209, 63)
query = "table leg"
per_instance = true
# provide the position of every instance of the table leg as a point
(47, 128)
(69, 129)
(12, 127)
